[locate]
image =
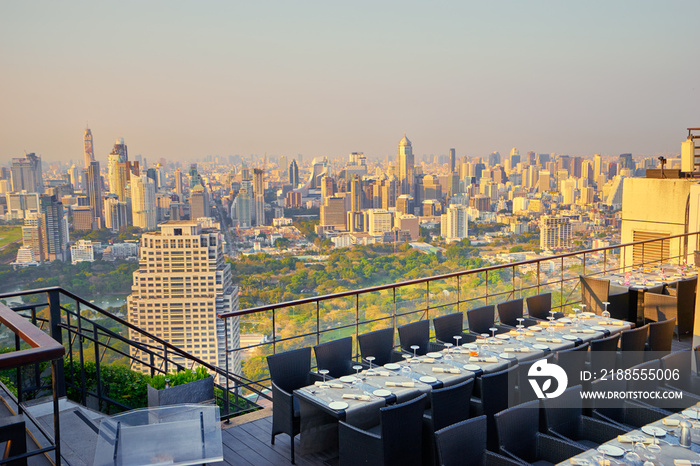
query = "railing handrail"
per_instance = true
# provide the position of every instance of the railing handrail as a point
(342, 294)
(42, 347)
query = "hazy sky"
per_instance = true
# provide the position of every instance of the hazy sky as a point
(182, 80)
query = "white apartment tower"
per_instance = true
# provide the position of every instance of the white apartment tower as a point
(555, 232)
(143, 202)
(454, 224)
(181, 286)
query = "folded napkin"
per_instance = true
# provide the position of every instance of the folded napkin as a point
(446, 370)
(584, 330)
(351, 396)
(428, 361)
(529, 334)
(513, 332)
(400, 384)
(483, 359)
(582, 462)
(671, 422)
(686, 463)
(553, 324)
(524, 349)
(549, 340)
(374, 373)
(614, 323)
(631, 439)
(330, 384)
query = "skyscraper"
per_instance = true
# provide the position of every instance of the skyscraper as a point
(94, 191)
(454, 223)
(452, 160)
(26, 174)
(259, 190)
(294, 174)
(406, 166)
(597, 166)
(199, 202)
(181, 286)
(56, 236)
(87, 148)
(178, 184)
(118, 155)
(143, 202)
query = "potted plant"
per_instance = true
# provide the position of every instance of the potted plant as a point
(181, 387)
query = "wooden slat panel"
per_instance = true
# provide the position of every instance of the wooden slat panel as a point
(655, 251)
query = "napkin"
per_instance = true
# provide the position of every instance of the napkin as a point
(529, 334)
(671, 422)
(615, 323)
(379, 373)
(631, 439)
(513, 332)
(581, 462)
(446, 370)
(584, 330)
(351, 396)
(400, 384)
(330, 384)
(686, 463)
(524, 349)
(549, 340)
(483, 359)
(428, 360)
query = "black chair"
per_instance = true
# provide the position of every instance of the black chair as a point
(603, 354)
(481, 319)
(573, 361)
(565, 420)
(288, 372)
(510, 311)
(539, 307)
(660, 338)
(696, 351)
(632, 346)
(380, 344)
(678, 302)
(497, 392)
(448, 326)
(395, 441)
(596, 291)
(626, 414)
(681, 363)
(464, 444)
(417, 333)
(448, 406)
(519, 437)
(652, 384)
(336, 357)
(525, 390)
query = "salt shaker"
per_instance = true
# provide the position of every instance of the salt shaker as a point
(685, 433)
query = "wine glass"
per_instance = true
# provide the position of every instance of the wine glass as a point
(323, 372)
(414, 348)
(484, 337)
(583, 308)
(520, 331)
(357, 368)
(407, 366)
(493, 332)
(447, 350)
(605, 313)
(457, 338)
(575, 320)
(370, 359)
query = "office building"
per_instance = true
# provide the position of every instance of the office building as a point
(83, 218)
(88, 150)
(181, 286)
(379, 221)
(294, 174)
(21, 204)
(199, 203)
(240, 208)
(26, 174)
(259, 193)
(454, 223)
(178, 184)
(33, 232)
(406, 166)
(82, 251)
(115, 214)
(555, 232)
(452, 160)
(143, 202)
(333, 213)
(94, 191)
(118, 155)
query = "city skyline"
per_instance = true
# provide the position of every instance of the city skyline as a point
(180, 81)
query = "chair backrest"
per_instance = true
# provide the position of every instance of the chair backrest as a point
(481, 319)
(462, 444)
(415, 333)
(336, 356)
(632, 344)
(290, 370)
(510, 311)
(603, 353)
(661, 335)
(448, 326)
(697, 358)
(686, 305)
(573, 361)
(517, 429)
(563, 413)
(594, 292)
(646, 384)
(538, 306)
(379, 343)
(612, 409)
(682, 363)
(525, 391)
(401, 428)
(450, 405)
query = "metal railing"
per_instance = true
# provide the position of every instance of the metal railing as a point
(314, 320)
(97, 341)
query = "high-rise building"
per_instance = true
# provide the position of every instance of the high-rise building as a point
(56, 234)
(356, 194)
(379, 221)
(195, 178)
(544, 181)
(178, 184)
(333, 213)
(597, 166)
(454, 223)
(199, 203)
(115, 214)
(555, 232)
(83, 218)
(118, 155)
(240, 208)
(259, 201)
(452, 160)
(19, 205)
(143, 202)
(327, 186)
(626, 161)
(88, 150)
(26, 174)
(406, 166)
(181, 286)
(294, 174)
(94, 191)
(33, 236)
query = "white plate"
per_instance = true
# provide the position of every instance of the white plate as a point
(469, 346)
(598, 328)
(611, 450)
(653, 430)
(348, 378)
(506, 356)
(535, 328)
(338, 405)
(503, 336)
(428, 379)
(691, 413)
(392, 366)
(381, 392)
(540, 346)
(472, 367)
(434, 355)
(570, 337)
(565, 320)
(589, 314)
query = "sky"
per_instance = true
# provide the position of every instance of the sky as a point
(182, 80)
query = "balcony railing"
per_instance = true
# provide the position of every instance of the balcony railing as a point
(314, 320)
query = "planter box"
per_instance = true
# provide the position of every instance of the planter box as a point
(199, 391)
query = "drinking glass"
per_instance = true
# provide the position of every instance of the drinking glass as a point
(414, 348)
(407, 366)
(605, 313)
(457, 338)
(520, 331)
(493, 332)
(323, 372)
(583, 308)
(357, 368)
(448, 355)
(370, 359)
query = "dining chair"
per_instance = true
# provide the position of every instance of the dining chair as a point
(573, 361)
(627, 414)
(510, 311)
(464, 444)
(448, 326)
(603, 354)
(525, 390)
(397, 440)
(336, 357)
(417, 334)
(632, 344)
(596, 291)
(652, 384)
(681, 363)
(564, 419)
(288, 371)
(497, 392)
(519, 437)
(678, 300)
(540, 305)
(483, 318)
(448, 406)
(380, 345)
(660, 338)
